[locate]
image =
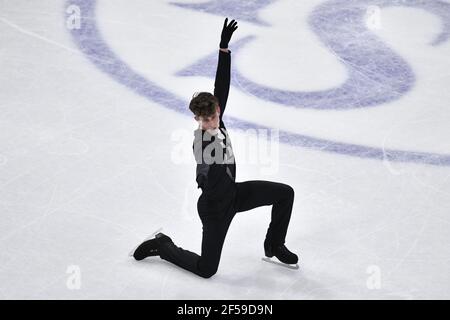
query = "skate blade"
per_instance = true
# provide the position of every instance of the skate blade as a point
(130, 254)
(289, 266)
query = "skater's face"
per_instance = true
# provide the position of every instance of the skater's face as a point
(209, 123)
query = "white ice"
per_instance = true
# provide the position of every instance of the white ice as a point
(87, 168)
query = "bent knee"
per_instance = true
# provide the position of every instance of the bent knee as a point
(289, 191)
(208, 272)
(207, 275)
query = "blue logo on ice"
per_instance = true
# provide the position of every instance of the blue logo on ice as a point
(372, 78)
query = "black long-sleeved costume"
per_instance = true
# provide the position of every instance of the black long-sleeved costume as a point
(216, 175)
(222, 197)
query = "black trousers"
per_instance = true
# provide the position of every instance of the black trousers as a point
(216, 217)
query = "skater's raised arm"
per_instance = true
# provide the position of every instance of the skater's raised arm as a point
(222, 81)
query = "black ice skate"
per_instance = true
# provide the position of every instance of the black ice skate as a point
(148, 248)
(284, 256)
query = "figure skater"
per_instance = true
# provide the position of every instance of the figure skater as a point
(222, 197)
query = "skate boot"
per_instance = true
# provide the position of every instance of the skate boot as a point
(285, 257)
(150, 247)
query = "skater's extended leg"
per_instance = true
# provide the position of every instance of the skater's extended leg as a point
(206, 265)
(256, 193)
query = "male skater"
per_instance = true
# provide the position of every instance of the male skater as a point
(221, 196)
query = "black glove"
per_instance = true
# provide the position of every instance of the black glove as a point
(227, 31)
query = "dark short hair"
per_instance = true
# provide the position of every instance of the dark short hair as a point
(203, 104)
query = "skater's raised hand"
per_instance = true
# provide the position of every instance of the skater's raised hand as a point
(227, 32)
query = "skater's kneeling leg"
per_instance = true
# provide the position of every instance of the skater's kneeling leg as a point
(204, 267)
(214, 232)
(207, 271)
(183, 258)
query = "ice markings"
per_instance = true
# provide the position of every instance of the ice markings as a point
(68, 146)
(3, 160)
(91, 43)
(239, 10)
(376, 74)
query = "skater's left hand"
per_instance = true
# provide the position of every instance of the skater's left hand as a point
(227, 32)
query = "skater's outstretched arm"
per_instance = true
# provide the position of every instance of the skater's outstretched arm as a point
(222, 81)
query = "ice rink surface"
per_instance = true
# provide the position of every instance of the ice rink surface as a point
(96, 146)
